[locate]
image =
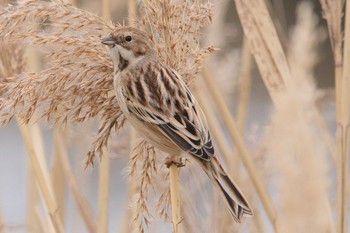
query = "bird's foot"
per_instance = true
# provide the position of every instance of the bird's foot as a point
(179, 162)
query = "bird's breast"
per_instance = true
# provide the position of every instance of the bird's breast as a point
(119, 93)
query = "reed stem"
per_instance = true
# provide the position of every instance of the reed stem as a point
(132, 12)
(103, 193)
(82, 203)
(103, 175)
(31, 198)
(175, 198)
(42, 175)
(56, 175)
(342, 146)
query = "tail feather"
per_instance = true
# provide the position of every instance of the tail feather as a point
(236, 202)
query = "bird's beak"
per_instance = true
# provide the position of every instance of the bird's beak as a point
(108, 40)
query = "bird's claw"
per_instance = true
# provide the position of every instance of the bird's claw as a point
(179, 162)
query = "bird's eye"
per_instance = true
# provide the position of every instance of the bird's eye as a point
(128, 38)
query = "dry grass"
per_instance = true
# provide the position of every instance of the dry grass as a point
(299, 139)
(286, 174)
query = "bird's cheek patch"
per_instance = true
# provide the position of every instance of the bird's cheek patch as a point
(141, 51)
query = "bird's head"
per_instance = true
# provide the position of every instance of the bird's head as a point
(128, 45)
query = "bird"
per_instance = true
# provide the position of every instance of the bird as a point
(157, 102)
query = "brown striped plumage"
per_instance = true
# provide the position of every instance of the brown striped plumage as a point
(157, 102)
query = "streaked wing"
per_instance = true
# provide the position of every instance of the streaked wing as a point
(159, 96)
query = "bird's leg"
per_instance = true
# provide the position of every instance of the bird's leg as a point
(175, 159)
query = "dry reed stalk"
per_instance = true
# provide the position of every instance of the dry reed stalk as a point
(244, 87)
(84, 208)
(40, 223)
(241, 147)
(242, 105)
(103, 193)
(106, 6)
(280, 19)
(175, 198)
(104, 166)
(132, 12)
(31, 199)
(133, 187)
(42, 175)
(34, 65)
(56, 174)
(12, 62)
(332, 11)
(224, 35)
(193, 219)
(264, 44)
(343, 125)
(39, 146)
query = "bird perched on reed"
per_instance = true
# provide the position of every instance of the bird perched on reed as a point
(159, 105)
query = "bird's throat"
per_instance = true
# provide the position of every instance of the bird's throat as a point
(123, 63)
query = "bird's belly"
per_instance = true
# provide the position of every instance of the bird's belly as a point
(154, 136)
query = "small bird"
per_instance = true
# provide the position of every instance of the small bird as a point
(159, 105)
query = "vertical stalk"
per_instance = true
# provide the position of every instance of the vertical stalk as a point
(245, 84)
(106, 14)
(40, 225)
(56, 175)
(67, 174)
(175, 198)
(103, 193)
(33, 183)
(342, 149)
(103, 176)
(42, 175)
(132, 12)
(133, 187)
(31, 198)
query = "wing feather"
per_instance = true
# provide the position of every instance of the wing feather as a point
(175, 112)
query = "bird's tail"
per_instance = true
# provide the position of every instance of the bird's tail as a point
(236, 202)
